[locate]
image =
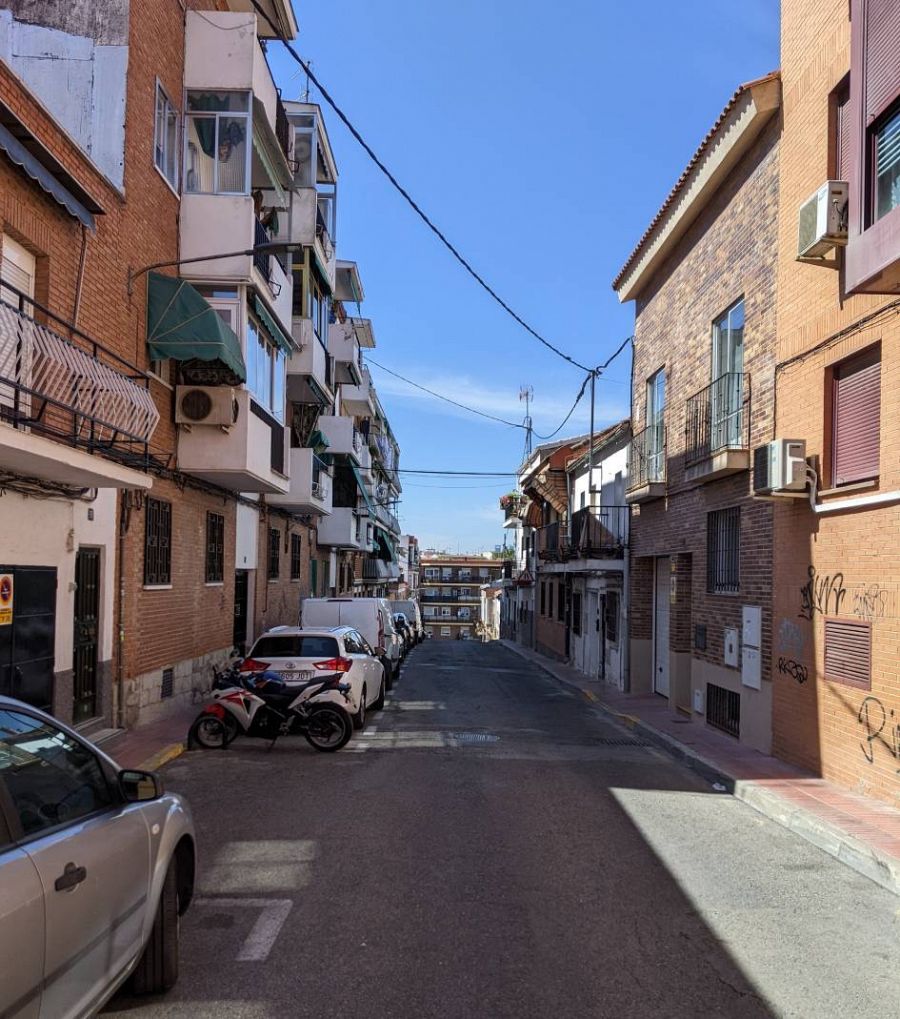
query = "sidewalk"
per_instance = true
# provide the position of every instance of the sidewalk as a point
(148, 747)
(860, 832)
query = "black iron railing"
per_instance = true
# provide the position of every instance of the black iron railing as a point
(70, 388)
(647, 456)
(262, 259)
(723, 709)
(599, 532)
(454, 596)
(715, 418)
(550, 542)
(282, 128)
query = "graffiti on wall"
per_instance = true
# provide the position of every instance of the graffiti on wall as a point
(872, 602)
(822, 593)
(796, 670)
(791, 638)
(880, 729)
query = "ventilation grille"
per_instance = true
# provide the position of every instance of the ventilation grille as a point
(723, 709)
(848, 652)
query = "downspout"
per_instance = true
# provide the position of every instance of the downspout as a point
(79, 281)
(124, 520)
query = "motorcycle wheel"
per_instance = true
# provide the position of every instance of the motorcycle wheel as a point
(211, 733)
(328, 729)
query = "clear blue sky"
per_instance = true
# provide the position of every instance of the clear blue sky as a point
(541, 139)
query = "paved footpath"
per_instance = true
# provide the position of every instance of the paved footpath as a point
(492, 846)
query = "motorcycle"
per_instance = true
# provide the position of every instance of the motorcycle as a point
(262, 706)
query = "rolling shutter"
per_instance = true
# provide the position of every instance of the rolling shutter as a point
(857, 418)
(882, 44)
(848, 652)
(843, 133)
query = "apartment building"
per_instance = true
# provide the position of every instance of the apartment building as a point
(703, 279)
(408, 554)
(173, 251)
(834, 665)
(450, 594)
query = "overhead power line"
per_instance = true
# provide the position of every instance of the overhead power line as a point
(409, 199)
(544, 438)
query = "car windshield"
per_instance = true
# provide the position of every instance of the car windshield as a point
(295, 646)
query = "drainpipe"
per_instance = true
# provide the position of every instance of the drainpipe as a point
(79, 282)
(124, 513)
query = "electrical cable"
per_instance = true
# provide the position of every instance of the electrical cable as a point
(609, 360)
(408, 198)
(544, 438)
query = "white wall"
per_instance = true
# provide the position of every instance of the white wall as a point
(247, 539)
(608, 491)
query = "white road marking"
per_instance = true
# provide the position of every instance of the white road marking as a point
(265, 931)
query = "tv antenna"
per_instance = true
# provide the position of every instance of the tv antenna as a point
(526, 393)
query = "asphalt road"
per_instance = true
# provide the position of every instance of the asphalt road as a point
(492, 846)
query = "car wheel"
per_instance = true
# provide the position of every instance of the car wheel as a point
(157, 970)
(359, 719)
(379, 703)
(388, 672)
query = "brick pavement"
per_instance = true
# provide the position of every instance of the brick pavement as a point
(861, 832)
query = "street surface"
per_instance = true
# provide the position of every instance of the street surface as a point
(492, 846)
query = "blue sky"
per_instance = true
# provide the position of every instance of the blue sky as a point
(541, 139)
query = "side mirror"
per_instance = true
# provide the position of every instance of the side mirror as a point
(140, 786)
(380, 651)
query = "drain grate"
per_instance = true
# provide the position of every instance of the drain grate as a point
(476, 737)
(621, 741)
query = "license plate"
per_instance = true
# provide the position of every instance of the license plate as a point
(302, 676)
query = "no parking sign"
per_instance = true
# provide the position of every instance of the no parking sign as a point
(6, 599)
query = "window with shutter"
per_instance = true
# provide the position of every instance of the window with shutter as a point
(848, 652)
(841, 132)
(856, 418)
(17, 268)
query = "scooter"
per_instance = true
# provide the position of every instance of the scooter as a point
(263, 706)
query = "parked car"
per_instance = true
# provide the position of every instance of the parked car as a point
(299, 655)
(371, 617)
(410, 609)
(96, 866)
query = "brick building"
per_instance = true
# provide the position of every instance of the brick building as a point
(835, 668)
(450, 593)
(703, 278)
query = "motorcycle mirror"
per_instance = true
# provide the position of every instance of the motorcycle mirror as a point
(380, 651)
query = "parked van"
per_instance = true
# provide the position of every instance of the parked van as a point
(371, 616)
(413, 613)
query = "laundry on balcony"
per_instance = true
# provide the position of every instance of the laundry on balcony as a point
(182, 325)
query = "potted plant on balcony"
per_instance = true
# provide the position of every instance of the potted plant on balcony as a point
(511, 502)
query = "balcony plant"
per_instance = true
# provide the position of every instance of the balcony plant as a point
(511, 501)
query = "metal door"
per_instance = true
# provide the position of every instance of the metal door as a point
(591, 635)
(87, 618)
(27, 640)
(661, 627)
(239, 636)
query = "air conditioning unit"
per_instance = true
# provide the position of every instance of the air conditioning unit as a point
(205, 405)
(779, 466)
(823, 220)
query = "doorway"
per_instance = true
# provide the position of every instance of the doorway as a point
(27, 639)
(592, 635)
(84, 637)
(239, 635)
(661, 627)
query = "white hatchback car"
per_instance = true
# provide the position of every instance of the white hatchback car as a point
(298, 654)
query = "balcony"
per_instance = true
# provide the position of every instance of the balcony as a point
(308, 368)
(716, 433)
(375, 569)
(248, 456)
(343, 438)
(647, 464)
(447, 599)
(343, 529)
(513, 506)
(310, 486)
(599, 533)
(344, 348)
(62, 400)
(359, 400)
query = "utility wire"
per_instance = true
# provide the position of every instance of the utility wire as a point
(587, 378)
(409, 199)
(611, 358)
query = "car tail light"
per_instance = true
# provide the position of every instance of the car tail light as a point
(252, 665)
(334, 665)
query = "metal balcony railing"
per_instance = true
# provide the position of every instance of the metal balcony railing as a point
(715, 418)
(599, 533)
(73, 390)
(549, 537)
(282, 128)
(262, 259)
(323, 211)
(647, 456)
(454, 596)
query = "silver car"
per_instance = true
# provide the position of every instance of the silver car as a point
(96, 866)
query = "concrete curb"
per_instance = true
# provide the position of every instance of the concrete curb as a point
(884, 870)
(168, 753)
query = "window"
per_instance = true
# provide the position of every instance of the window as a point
(727, 385)
(543, 598)
(429, 611)
(165, 138)
(215, 548)
(887, 165)
(656, 413)
(295, 560)
(158, 543)
(217, 143)
(225, 302)
(446, 574)
(445, 631)
(294, 646)
(352, 644)
(274, 565)
(550, 587)
(265, 370)
(848, 652)
(576, 613)
(856, 417)
(431, 574)
(465, 613)
(51, 778)
(17, 268)
(445, 611)
(612, 617)
(582, 500)
(841, 133)
(723, 551)
(561, 602)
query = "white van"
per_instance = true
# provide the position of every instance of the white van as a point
(371, 616)
(413, 613)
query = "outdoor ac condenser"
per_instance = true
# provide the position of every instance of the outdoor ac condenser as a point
(205, 405)
(823, 220)
(779, 466)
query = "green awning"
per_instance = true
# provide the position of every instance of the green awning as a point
(385, 546)
(362, 489)
(182, 325)
(276, 333)
(319, 443)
